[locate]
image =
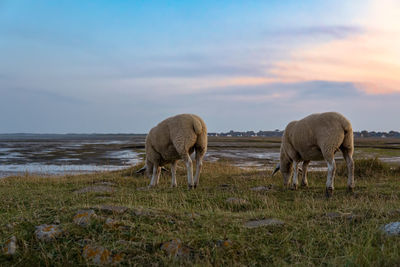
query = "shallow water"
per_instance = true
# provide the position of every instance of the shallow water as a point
(63, 154)
(67, 154)
(51, 169)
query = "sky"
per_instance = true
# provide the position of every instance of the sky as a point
(123, 66)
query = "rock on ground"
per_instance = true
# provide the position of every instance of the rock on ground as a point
(83, 217)
(224, 243)
(100, 255)
(176, 248)
(261, 188)
(47, 232)
(266, 222)
(10, 246)
(346, 215)
(143, 212)
(116, 224)
(112, 209)
(392, 229)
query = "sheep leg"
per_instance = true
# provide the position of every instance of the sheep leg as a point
(156, 175)
(286, 170)
(304, 181)
(173, 173)
(189, 167)
(330, 177)
(199, 165)
(350, 170)
(295, 181)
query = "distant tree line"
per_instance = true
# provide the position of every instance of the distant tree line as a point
(278, 133)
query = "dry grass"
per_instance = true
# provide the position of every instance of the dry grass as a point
(309, 236)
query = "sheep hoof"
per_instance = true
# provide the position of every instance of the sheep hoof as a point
(173, 185)
(304, 185)
(294, 187)
(195, 186)
(329, 192)
(190, 187)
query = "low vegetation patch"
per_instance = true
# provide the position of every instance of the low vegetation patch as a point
(207, 226)
(369, 168)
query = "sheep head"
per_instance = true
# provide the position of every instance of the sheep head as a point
(147, 169)
(277, 168)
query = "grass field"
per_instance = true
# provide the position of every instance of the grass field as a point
(343, 230)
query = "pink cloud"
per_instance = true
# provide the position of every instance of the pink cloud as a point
(369, 59)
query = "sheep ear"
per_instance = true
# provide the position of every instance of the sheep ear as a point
(142, 169)
(278, 167)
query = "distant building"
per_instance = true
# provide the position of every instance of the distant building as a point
(279, 133)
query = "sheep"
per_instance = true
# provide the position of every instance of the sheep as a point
(172, 139)
(316, 137)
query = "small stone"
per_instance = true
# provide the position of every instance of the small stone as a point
(97, 255)
(112, 223)
(236, 201)
(266, 222)
(83, 217)
(95, 189)
(47, 232)
(343, 215)
(175, 248)
(142, 212)
(10, 246)
(112, 209)
(261, 188)
(392, 229)
(116, 224)
(224, 243)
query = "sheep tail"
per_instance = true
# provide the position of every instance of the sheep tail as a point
(348, 141)
(197, 127)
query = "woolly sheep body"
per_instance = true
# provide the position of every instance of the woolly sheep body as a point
(317, 137)
(176, 138)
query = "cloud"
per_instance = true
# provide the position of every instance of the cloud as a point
(271, 106)
(369, 58)
(20, 95)
(334, 31)
(175, 69)
(289, 92)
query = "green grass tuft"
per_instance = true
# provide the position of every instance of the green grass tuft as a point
(368, 168)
